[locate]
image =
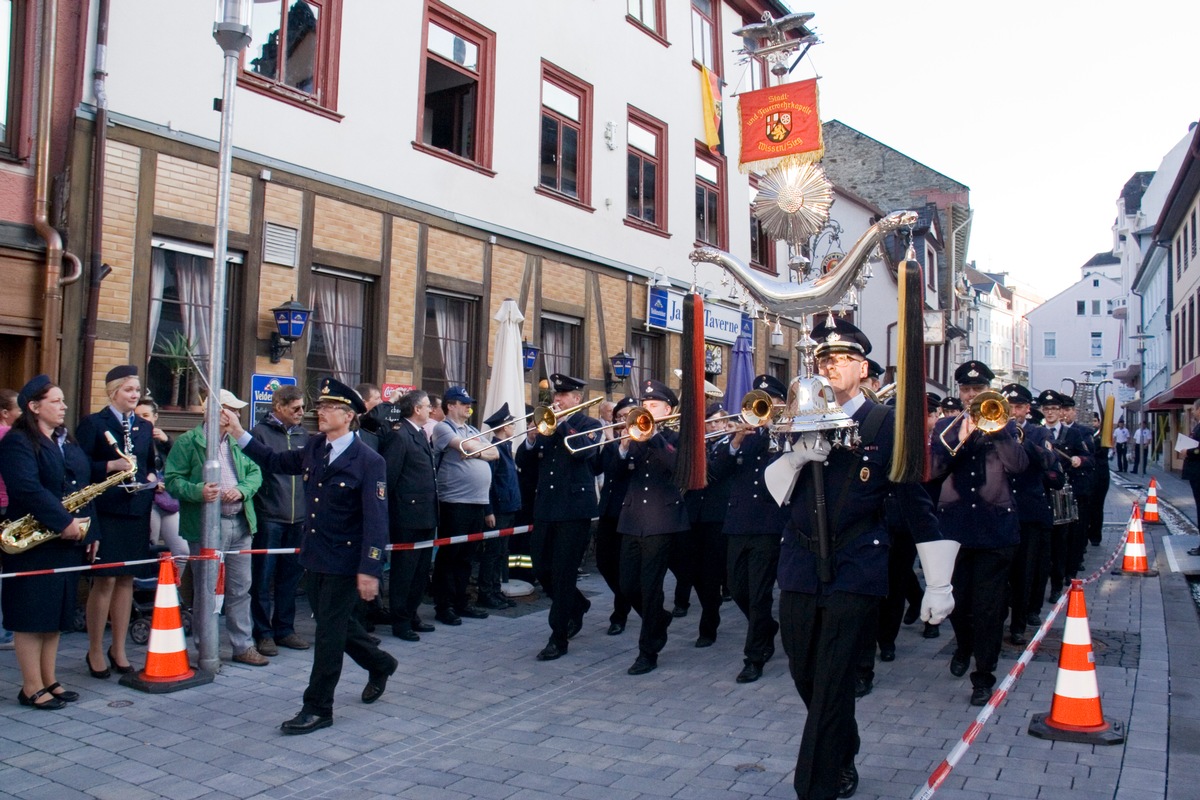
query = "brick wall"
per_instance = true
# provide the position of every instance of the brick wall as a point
(187, 191)
(277, 285)
(283, 206)
(455, 255)
(403, 301)
(348, 229)
(562, 283)
(120, 222)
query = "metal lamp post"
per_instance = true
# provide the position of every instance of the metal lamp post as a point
(232, 33)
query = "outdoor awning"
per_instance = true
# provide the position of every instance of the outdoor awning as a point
(1129, 375)
(1180, 394)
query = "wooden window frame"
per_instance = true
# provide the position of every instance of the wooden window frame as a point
(641, 370)
(323, 102)
(471, 305)
(485, 40)
(659, 31)
(370, 284)
(583, 92)
(576, 345)
(715, 24)
(659, 128)
(16, 146)
(719, 162)
(765, 245)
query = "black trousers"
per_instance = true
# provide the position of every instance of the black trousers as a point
(643, 568)
(1122, 460)
(823, 637)
(333, 598)
(903, 586)
(493, 558)
(452, 567)
(557, 548)
(980, 604)
(702, 549)
(1139, 458)
(1077, 534)
(682, 566)
(608, 562)
(1027, 576)
(753, 561)
(408, 576)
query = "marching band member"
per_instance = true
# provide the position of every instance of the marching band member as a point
(612, 497)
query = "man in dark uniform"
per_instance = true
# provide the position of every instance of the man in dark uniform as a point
(562, 511)
(345, 489)
(823, 622)
(505, 500)
(1074, 444)
(977, 509)
(412, 512)
(612, 497)
(652, 512)
(752, 525)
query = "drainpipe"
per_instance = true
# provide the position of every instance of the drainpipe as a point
(52, 295)
(98, 270)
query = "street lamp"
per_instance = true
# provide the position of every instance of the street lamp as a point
(529, 354)
(622, 368)
(231, 30)
(290, 319)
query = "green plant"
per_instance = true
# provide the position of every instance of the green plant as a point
(177, 353)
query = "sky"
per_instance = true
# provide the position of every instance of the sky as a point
(1044, 110)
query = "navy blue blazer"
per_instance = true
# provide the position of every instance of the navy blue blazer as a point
(346, 525)
(1075, 441)
(411, 479)
(90, 435)
(976, 506)
(653, 505)
(708, 505)
(751, 508)
(505, 494)
(616, 480)
(1029, 485)
(38, 478)
(566, 481)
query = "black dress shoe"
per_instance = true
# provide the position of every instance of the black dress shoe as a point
(959, 664)
(1017, 638)
(575, 624)
(750, 673)
(552, 651)
(616, 628)
(66, 695)
(862, 687)
(377, 682)
(422, 627)
(913, 613)
(705, 641)
(305, 722)
(489, 601)
(931, 631)
(887, 654)
(642, 665)
(373, 639)
(679, 611)
(96, 673)
(1033, 619)
(1195, 551)
(53, 704)
(471, 612)
(448, 617)
(407, 634)
(980, 696)
(847, 782)
(118, 668)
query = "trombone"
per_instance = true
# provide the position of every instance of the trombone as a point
(989, 411)
(640, 426)
(544, 418)
(758, 410)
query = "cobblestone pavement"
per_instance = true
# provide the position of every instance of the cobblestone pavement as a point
(471, 714)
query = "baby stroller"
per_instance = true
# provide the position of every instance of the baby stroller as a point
(144, 590)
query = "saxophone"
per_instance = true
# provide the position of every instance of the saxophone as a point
(25, 533)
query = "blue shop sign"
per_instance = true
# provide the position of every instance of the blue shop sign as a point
(665, 310)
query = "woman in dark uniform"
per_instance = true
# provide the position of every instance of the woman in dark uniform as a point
(123, 516)
(41, 464)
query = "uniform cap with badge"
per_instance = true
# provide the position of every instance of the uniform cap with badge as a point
(973, 373)
(334, 391)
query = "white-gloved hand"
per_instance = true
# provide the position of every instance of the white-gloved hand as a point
(780, 476)
(937, 562)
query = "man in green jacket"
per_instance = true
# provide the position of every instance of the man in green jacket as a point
(240, 479)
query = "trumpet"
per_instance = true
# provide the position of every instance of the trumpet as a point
(544, 418)
(989, 411)
(758, 410)
(640, 425)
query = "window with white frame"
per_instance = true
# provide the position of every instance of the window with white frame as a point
(705, 34)
(449, 333)
(560, 344)
(1097, 350)
(1049, 345)
(646, 349)
(337, 345)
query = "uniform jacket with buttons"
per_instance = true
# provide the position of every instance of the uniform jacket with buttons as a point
(346, 529)
(566, 487)
(90, 435)
(616, 480)
(1033, 506)
(411, 479)
(976, 505)
(505, 494)
(709, 505)
(1075, 441)
(856, 484)
(653, 505)
(751, 508)
(38, 478)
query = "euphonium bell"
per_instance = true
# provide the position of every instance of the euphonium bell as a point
(757, 408)
(990, 411)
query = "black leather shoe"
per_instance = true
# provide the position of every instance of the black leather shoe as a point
(377, 682)
(750, 673)
(305, 722)
(913, 613)
(847, 782)
(1018, 639)
(862, 687)
(931, 631)
(1033, 619)
(66, 695)
(552, 651)
(422, 627)
(643, 665)
(96, 673)
(705, 641)
(53, 704)
(980, 696)
(1195, 551)
(448, 617)
(407, 634)
(373, 639)
(575, 624)
(118, 668)
(489, 601)
(616, 628)
(679, 611)
(887, 654)
(471, 612)
(959, 664)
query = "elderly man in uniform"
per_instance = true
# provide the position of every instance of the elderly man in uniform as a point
(345, 490)
(612, 497)
(977, 509)
(825, 615)
(652, 513)
(562, 511)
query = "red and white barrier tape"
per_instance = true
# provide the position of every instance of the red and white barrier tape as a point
(960, 748)
(213, 555)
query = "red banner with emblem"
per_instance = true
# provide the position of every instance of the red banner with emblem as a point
(780, 125)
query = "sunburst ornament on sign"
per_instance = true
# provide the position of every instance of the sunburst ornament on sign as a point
(793, 202)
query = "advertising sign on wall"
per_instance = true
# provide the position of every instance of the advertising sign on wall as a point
(665, 311)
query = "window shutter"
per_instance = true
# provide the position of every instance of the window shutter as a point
(280, 244)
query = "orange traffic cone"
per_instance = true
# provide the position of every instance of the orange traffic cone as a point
(1075, 714)
(1134, 562)
(167, 667)
(1151, 515)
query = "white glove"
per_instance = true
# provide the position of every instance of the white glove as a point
(780, 475)
(937, 562)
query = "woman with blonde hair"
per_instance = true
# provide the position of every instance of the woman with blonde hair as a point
(123, 514)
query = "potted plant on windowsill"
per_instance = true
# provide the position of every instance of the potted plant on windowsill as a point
(177, 354)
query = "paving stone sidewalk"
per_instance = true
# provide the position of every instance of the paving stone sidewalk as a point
(471, 714)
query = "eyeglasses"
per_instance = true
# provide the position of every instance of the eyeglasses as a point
(838, 359)
(296, 409)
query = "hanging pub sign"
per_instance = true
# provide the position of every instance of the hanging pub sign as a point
(262, 393)
(780, 126)
(664, 310)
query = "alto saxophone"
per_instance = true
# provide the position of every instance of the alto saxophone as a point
(25, 533)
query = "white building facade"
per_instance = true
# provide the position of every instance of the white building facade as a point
(1074, 332)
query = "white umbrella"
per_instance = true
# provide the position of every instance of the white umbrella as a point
(508, 375)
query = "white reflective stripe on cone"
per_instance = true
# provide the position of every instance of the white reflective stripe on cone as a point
(1077, 684)
(164, 642)
(1135, 550)
(1077, 632)
(166, 596)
